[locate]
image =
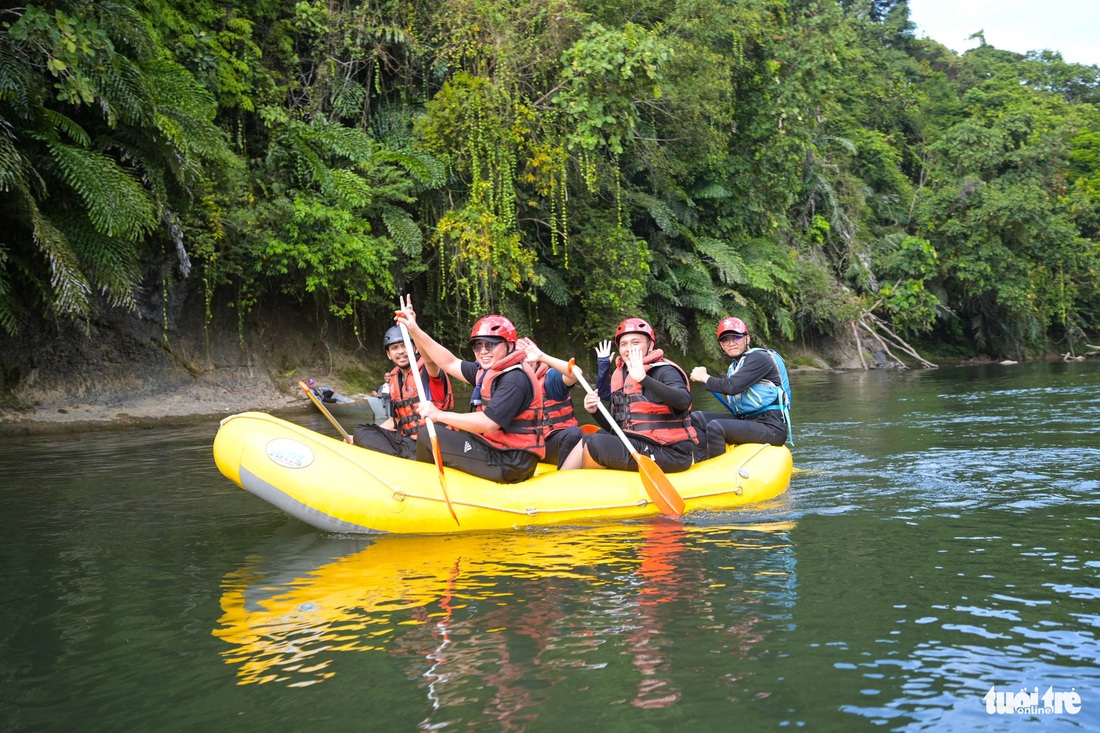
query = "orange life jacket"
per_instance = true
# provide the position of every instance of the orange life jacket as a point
(528, 430)
(404, 399)
(559, 413)
(653, 420)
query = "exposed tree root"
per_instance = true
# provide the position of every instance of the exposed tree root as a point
(1070, 356)
(883, 336)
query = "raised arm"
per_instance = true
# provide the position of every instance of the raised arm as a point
(535, 355)
(603, 369)
(428, 347)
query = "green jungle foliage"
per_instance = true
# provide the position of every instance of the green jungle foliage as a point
(797, 163)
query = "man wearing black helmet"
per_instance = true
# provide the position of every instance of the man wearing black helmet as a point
(503, 438)
(752, 391)
(651, 402)
(397, 435)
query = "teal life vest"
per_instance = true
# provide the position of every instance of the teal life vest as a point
(762, 396)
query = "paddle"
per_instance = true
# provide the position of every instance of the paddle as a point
(656, 484)
(347, 438)
(322, 408)
(427, 421)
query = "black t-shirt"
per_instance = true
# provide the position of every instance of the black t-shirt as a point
(512, 393)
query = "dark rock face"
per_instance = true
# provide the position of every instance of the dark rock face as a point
(154, 361)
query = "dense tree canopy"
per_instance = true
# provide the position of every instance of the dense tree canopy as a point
(804, 164)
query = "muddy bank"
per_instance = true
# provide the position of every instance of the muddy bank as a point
(128, 370)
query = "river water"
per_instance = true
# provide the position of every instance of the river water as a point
(940, 542)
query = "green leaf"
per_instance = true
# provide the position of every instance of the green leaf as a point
(117, 204)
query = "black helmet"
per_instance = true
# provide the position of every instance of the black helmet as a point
(393, 336)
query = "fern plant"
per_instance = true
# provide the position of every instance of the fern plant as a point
(103, 140)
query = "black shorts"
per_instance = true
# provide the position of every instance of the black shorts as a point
(608, 450)
(472, 454)
(718, 429)
(376, 438)
(561, 442)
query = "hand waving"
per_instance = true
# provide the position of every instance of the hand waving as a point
(635, 365)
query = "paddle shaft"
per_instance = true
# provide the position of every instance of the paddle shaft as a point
(323, 409)
(656, 484)
(607, 416)
(419, 384)
(427, 421)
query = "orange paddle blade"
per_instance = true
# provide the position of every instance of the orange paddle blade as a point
(589, 429)
(657, 485)
(442, 477)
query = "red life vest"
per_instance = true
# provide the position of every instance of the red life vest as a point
(654, 420)
(527, 431)
(559, 413)
(404, 399)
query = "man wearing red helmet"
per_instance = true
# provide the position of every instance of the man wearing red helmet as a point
(503, 438)
(651, 402)
(752, 391)
(397, 436)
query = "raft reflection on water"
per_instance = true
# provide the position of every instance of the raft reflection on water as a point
(481, 616)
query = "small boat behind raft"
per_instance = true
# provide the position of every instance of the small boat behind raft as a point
(338, 487)
(359, 408)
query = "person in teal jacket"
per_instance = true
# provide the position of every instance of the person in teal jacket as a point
(752, 392)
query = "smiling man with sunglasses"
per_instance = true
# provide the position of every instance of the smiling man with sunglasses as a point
(503, 437)
(752, 390)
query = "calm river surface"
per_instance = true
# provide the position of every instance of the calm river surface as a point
(941, 539)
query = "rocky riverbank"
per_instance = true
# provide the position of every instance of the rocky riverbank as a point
(128, 371)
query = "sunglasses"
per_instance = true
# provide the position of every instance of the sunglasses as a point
(479, 346)
(729, 338)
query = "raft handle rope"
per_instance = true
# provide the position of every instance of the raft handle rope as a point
(529, 511)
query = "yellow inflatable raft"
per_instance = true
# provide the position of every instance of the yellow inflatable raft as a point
(338, 487)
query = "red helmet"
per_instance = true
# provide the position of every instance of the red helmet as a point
(736, 325)
(635, 325)
(494, 327)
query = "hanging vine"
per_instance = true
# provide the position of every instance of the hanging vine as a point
(484, 259)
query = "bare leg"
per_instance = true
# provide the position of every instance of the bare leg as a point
(575, 459)
(579, 457)
(588, 461)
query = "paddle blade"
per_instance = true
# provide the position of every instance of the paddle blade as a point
(657, 485)
(442, 477)
(589, 429)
